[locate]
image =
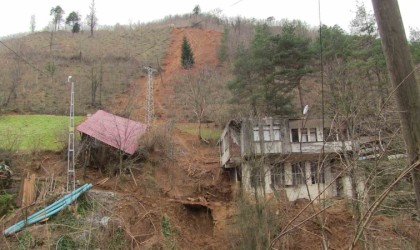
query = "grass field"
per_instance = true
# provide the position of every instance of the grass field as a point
(207, 133)
(34, 132)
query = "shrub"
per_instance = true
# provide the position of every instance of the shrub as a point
(157, 139)
(6, 203)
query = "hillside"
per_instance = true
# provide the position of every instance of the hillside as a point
(102, 66)
(173, 195)
(164, 183)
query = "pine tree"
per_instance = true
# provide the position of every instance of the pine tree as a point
(254, 82)
(187, 57)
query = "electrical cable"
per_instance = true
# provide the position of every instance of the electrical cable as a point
(322, 77)
(22, 58)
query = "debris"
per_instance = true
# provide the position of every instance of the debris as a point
(104, 221)
(211, 162)
(101, 182)
(211, 194)
(47, 187)
(5, 169)
(6, 175)
(194, 202)
(27, 193)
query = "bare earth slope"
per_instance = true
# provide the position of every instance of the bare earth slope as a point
(194, 175)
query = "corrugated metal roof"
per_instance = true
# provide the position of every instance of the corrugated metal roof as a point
(119, 132)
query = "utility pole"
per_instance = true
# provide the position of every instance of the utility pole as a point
(71, 174)
(400, 67)
(150, 108)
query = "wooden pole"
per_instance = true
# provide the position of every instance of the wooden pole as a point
(400, 67)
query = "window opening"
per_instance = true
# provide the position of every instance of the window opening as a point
(315, 175)
(312, 135)
(266, 133)
(256, 134)
(304, 135)
(276, 132)
(277, 175)
(295, 135)
(297, 173)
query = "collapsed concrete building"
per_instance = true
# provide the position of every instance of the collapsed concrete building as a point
(296, 158)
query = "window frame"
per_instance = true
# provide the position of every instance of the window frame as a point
(256, 179)
(294, 134)
(256, 134)
(298, 176)
(278, 175)
(276, 128)
(266, 132)
(312, 134)
(315, 175)
(304, 135)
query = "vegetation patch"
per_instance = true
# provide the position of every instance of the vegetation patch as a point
(66, 242)
(6, 203)
(30, 132)
(206, 132)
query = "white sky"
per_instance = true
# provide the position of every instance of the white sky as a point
(15, 14)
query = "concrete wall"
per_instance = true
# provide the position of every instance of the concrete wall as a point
(308, 191)
(274, 147)
(316, 147)
(244, 139)
(246, 179)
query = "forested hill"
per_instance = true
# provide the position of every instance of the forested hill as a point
(270, 67)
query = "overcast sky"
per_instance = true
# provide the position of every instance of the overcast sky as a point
(15, 15)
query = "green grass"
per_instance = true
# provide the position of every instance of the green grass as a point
(207, 133)
(34, 132)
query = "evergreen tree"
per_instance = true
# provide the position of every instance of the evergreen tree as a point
(73, 20)
(222, 53)
(292, 56)
(187, 57)
(254, 82)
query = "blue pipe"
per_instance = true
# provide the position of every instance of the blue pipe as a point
(56, 203)
(40, 215)
(48, 211)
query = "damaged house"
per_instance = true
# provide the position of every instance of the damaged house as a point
(283, 156)
(104, 134)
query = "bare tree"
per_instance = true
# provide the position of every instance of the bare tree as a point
(195, 93)
(15, 81)
(92, 19)
(96, 79)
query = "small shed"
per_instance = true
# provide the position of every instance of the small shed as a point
(113, 130)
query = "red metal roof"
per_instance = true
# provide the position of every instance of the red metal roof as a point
(119, 132)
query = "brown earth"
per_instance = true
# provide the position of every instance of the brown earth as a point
(165, 185)
(194, 173)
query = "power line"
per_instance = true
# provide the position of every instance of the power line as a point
(235, 3)
(22, 58)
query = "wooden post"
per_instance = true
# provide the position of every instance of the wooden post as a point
(400, 67)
